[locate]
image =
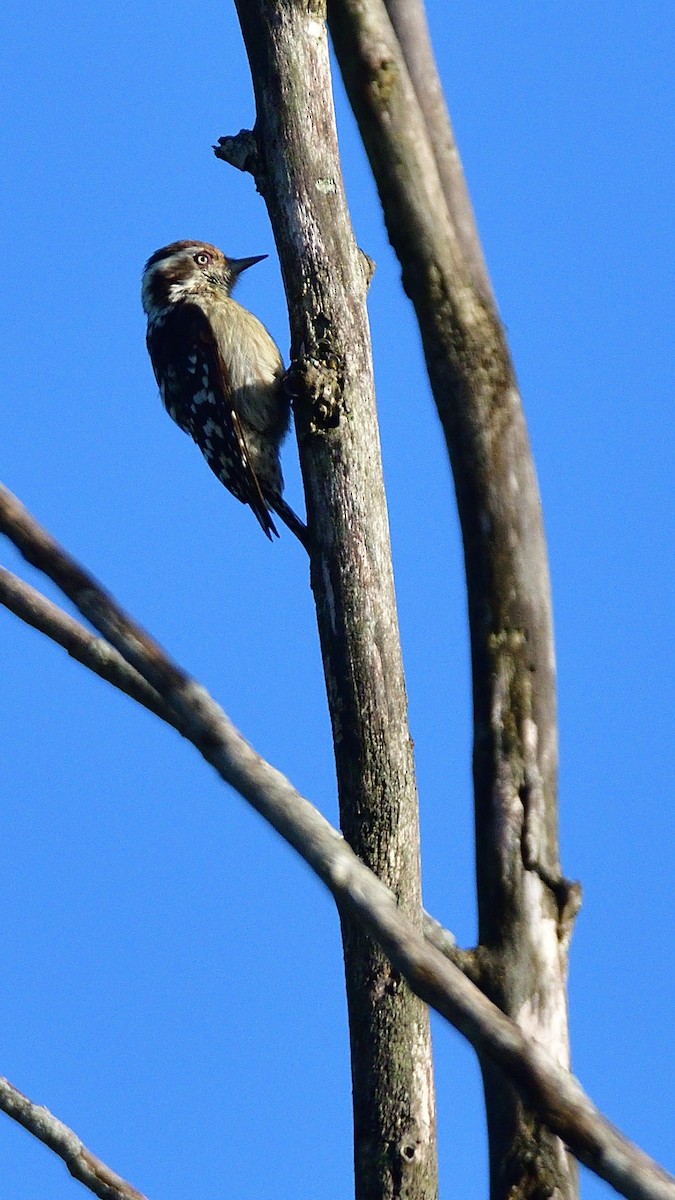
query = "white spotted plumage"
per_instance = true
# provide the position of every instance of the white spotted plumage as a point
(219, 373)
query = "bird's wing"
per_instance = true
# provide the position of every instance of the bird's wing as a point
(195, 386)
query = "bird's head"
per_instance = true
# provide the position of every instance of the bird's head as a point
(189, 269)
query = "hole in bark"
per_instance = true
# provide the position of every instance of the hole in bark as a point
(393, 983)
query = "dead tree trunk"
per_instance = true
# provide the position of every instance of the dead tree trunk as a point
(297, 169)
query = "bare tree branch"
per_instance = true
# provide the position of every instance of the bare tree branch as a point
(526, 907)
(83, 645)
(100, 657)
(549, 1090)
(82, 1164)
(410, 25)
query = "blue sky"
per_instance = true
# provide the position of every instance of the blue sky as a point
(172, 974)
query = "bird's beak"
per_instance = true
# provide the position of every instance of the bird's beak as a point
(237, 265)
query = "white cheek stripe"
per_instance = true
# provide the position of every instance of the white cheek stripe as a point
(183, 288)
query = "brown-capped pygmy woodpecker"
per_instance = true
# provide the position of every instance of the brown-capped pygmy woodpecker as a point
(220, 374)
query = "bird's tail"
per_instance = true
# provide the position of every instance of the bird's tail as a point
(290, 520)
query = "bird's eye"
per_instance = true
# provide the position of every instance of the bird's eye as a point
(202, 259)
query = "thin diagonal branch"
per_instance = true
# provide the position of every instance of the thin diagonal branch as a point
(86, 647)
(82, 1164)
(549, 1090)
(94, 652)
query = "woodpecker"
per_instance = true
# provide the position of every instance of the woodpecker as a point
(219, 373)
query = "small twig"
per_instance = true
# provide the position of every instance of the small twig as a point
(82, 1164)
(549, 1090)
(240, 151)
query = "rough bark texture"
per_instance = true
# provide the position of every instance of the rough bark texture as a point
(525, 906)
(325, 277)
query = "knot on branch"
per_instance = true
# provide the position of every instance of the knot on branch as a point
(518, 771)
(383, 76)
(368, 266)
(240, 151)
(315, 384)
(567, 893)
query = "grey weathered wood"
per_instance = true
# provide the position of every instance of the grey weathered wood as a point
(526, 907)
(298, 172)
(408, 18)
